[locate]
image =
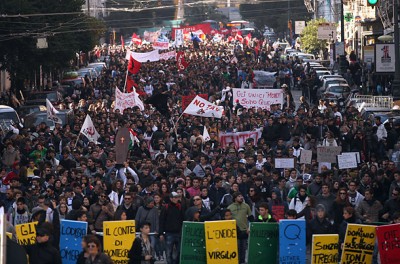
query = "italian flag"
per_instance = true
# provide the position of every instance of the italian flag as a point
(134, 139)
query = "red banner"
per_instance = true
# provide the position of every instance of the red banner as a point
(205, 27)
(181, 62)
(187, 99)
(389, 243)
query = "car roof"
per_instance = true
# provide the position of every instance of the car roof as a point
(335, 84)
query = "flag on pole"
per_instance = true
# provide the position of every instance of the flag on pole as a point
(133, 65)
(202, 107)
(136, 39)
(206, 136)
(89, 131)
(181, 62)
(52, 113)
(133, 137)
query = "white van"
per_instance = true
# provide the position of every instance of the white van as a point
(8, 114)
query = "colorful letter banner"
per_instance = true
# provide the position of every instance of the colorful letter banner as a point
(325, 249)
(359, 244)
(221, 242)
(263, 242)
(71, 235)
(187, 99)
(193, 244)
(118, 239)
(26, 233)
(258, 98)
(239, 138)
(292, 241)
(389, 243)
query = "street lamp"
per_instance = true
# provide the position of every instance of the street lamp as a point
(342, 58)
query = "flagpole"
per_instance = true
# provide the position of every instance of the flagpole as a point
(126, 78)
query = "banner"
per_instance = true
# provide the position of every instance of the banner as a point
(187, 99)
(325, 249)
(126, 100)
(144, 56)
(359, 244)
(305, 156)
(118, 238)
(203, 108)
(347, 161)
(52, 112)
(221, 242)
(328, 154)
(389, 243)
(159, 45)
(258, 98)
(193, 245)
(239, 138)
(385, 59)
(168, 55)
(180, 61)
(151, 36)
(263, 242)
(26, 233)
(89, 131)
(71, 234)
(178, 37)
(264, 79)
(204, 27)
(285, 163)
(292, 241)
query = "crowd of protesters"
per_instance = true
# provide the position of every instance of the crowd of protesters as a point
(173, 175)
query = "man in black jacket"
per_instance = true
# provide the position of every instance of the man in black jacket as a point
(171, 220)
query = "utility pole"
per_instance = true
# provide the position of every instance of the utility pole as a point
(396, 81)
(342, 58)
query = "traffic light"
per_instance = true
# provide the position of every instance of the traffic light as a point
(372, 3)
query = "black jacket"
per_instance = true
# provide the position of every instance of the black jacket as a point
(171, 218)
(135, 253)
(43, 253)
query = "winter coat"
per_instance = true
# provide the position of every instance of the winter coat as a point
(369, 208)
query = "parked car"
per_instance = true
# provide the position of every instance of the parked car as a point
(91, 73)
(39, 98)
(24, 110)
(327, 82)
(35, 119)
(334, 92)
(8, 115)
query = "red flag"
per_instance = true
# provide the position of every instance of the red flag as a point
(136, 39)
(133, 65)
(247, 39)
(122, 42)
(257, 48)
(181, 62)
(130, 83)
(239, 38)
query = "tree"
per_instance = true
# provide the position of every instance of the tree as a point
(309, 39)
(27, 20)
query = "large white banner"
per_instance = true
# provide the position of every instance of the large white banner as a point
(385, 57)
(258, 98)
(144, 57)
(202, 107)
(239, 138)
(168, 55)
(126, 100)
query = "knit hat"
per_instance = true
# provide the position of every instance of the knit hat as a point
(148, 200)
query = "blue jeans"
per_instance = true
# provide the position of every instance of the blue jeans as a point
(171, 240)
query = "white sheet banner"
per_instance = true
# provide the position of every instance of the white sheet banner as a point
(161, 45)
(239, 138)
(126, 100)
(144, 57)
(258, 98)
(168, 55)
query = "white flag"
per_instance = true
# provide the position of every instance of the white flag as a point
(202, 107)
(52, 113)
(126, 100)
(138, 102)
(206, 136)
(89, 130)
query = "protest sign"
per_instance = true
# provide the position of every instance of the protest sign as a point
(328, 165)
(118, 238)
(325, 249)
(305, 156)
(71, 234)
(26, 233)
(359, 244)
(278, 212)
(292, 241)
(238, 138)
(221, 242)
(284, 163)
(389, 243)
(193, 245)
(347, 161)
(263, 242)
(203, 108)
(328, 154)
(126, 100)
(187, 99)
(258, 98)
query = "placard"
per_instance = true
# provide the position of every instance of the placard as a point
(193, 244)
(118, 237)
(292, 241)
(221, 242)
(71, 235)
(389, 243)
(299, 27)
(328, 154)
(263, 242)
(347, 161)
(325, 249)
(355, 153)
(26, 233)
(326, 31)
(284, 163)
(321, 164)
(258, 98)
(385, 61)
(305, 156)
(359, 244)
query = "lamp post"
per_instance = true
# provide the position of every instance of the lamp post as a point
(396, 81)
(342, 57)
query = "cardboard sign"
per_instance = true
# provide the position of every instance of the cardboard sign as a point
(26, 233)
(328, 154)
(285, 163)
(193, 244)
(187, 99)
(355, 153)
(325, 249)
(221, 242)
(258, 98)
(71, 234)
(305, 156)
(118, 238)
(359, 244)
(292, 241)
(389, 243)
(347, 161)
(263, 242)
